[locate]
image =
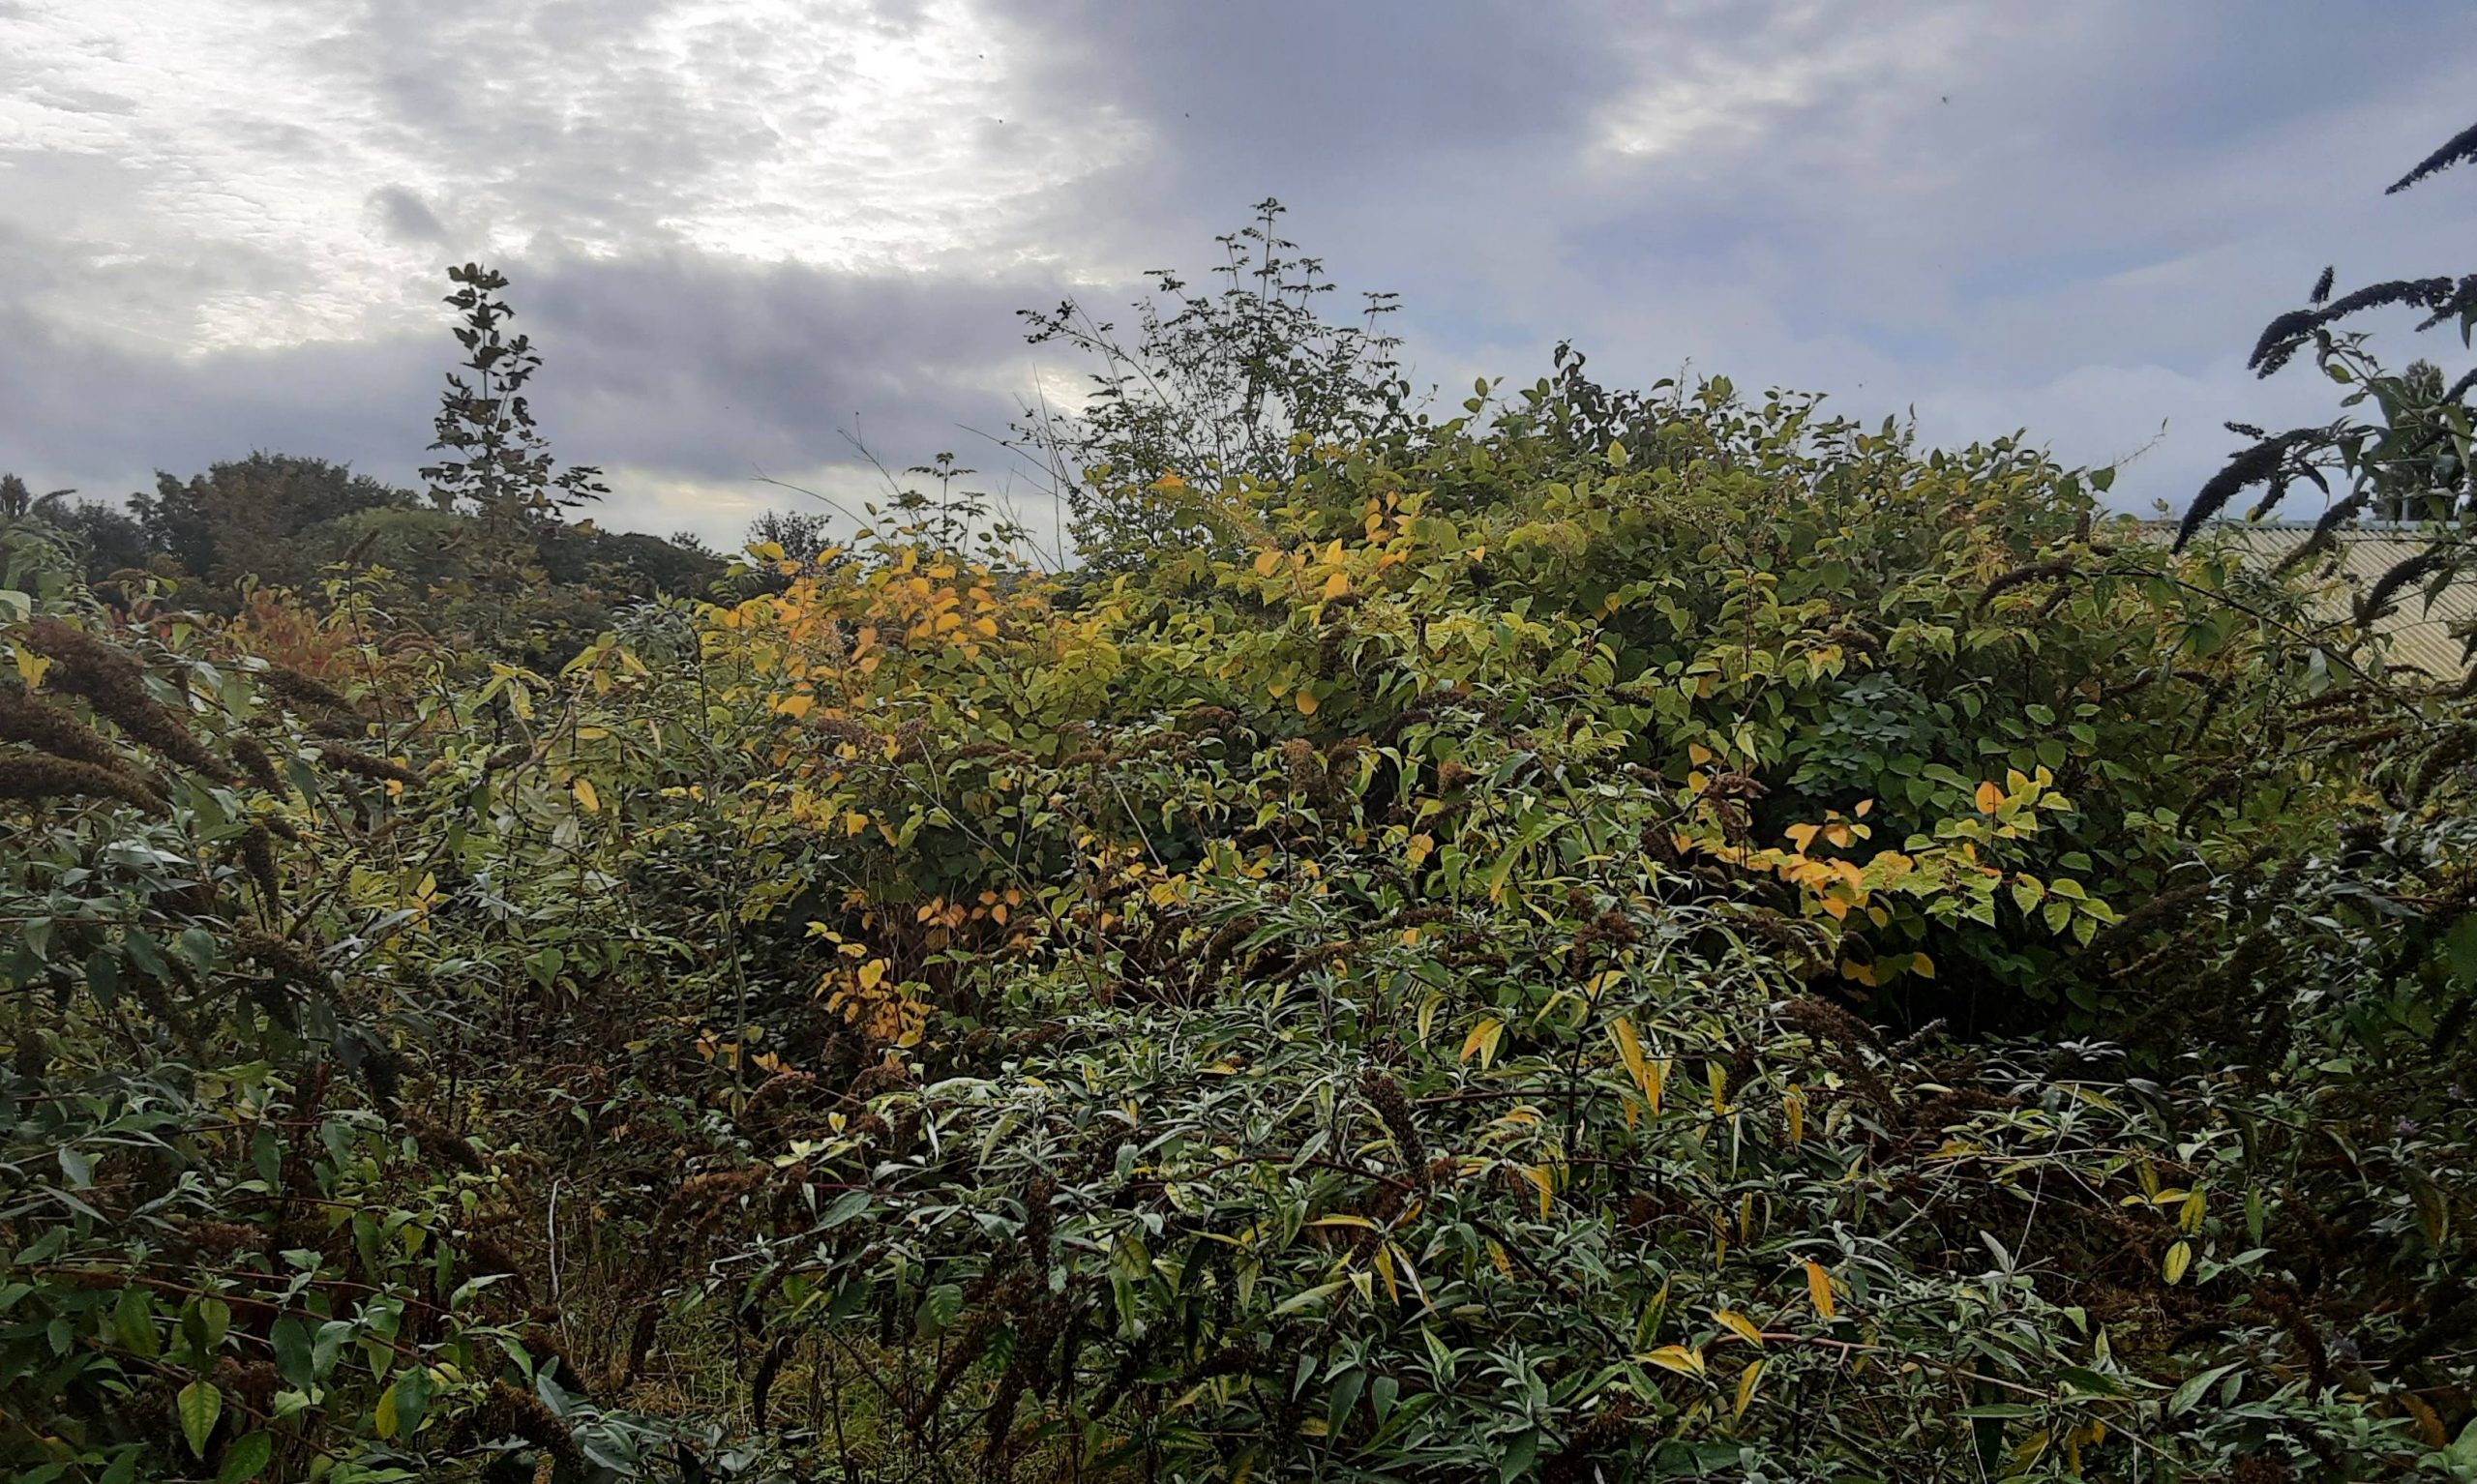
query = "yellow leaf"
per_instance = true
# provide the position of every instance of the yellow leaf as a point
(1990, 797)
(1747, 1380)
(1676, 1358)
(1719, 1077)
(873, 974)
(586, 795)
(1418, 849)
(1306, 702)
(1922, 965)
(1697, 754)
(854, 822)
(2429, 1424)
(30, 666)
(1819, 1289)
(1739, 1324)
(2191, 1217)
(2179, 1258)
(1538, 1176)
(1496, 1255)
(797, 706)
(1793, 1104)
(1267, 561)
(1482, 1040)
(2029, 1451)
(1338, 585)
(1629, 1047)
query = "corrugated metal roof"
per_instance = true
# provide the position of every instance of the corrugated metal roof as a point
(2431, 640)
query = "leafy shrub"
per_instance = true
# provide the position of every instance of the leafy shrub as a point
(1614, 934)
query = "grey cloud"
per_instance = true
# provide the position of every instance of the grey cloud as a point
(707, 367)
(102, 419)
(2112, 195)
(2080, 241)
(680, 368)
(403, 216)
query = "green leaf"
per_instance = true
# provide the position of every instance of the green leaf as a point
(847, 1206)
(1519, 1455)
(203, 1321)
(1344, 1398)
(399, 1413)
(2187, 1394)
(2095, 1383)
(292, 1352)
(1323, 1290)
(330, 1343)
(143, 949)
(199, 1405)
(2460, 950)
(133, 1322)
(937, 1309)
(103, 977)
(245, 1459)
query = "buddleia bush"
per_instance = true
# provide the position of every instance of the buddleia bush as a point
(243, 1234)
(2399, 453)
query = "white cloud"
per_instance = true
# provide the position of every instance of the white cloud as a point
(290, 143)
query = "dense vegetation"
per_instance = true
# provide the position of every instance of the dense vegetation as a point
(1608, 934)
(485, 554)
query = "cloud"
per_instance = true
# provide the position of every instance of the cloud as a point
(405, 217)
(742, 227)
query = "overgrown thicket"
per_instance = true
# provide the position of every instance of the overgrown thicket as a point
(1607, 935)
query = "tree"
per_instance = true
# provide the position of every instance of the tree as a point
(801, 533)
(20, 503)
(497, 465)
(1217, 390)
(246, 518)
(497, 470)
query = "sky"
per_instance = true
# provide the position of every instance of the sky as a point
(753, 238)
